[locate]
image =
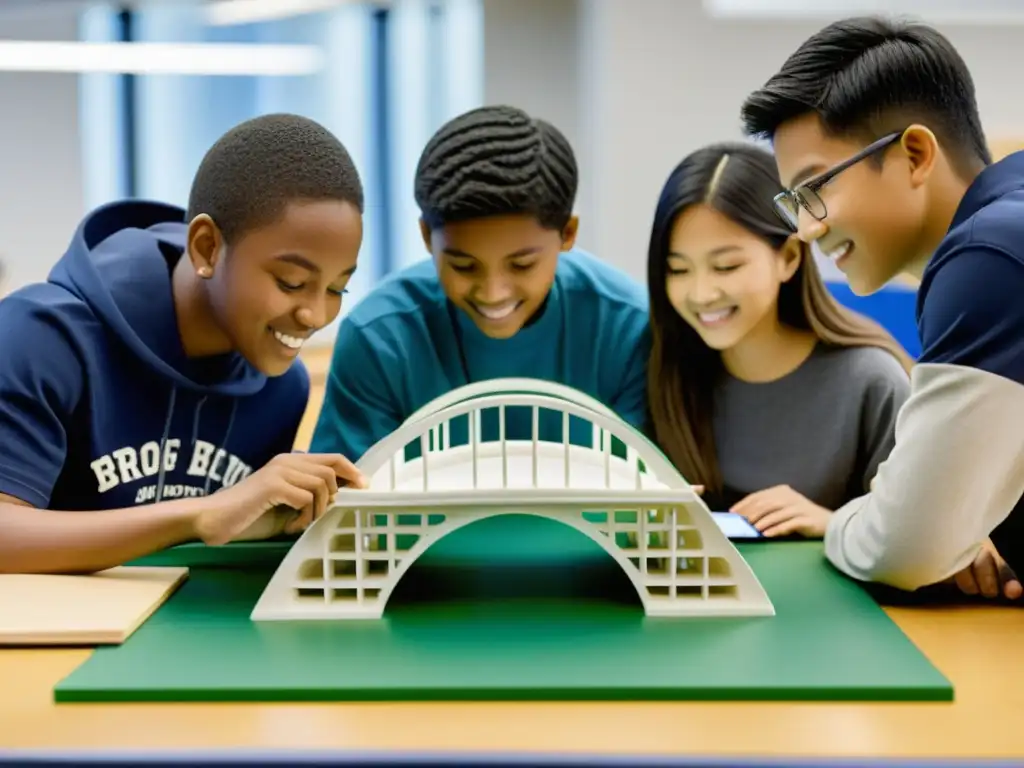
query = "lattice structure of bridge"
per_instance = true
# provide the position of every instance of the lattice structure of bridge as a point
(616, 488)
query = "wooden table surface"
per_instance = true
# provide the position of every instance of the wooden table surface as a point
(980, 648)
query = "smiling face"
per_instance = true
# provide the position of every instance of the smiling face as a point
(723, 280)
(498, 270)
(875, 215)
(279, 283)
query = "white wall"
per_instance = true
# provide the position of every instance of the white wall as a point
(655, 79)
(634, 84)
(530, 58)
(41, 195)
(532, 61)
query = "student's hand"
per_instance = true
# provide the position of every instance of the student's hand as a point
(285, 496)
(781, 511)
(989, 575)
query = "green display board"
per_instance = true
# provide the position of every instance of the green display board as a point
(512, 608)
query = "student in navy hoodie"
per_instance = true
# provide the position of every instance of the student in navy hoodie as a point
(877, 135)
(157, 364)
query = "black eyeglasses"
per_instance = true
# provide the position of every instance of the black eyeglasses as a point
(789, 202)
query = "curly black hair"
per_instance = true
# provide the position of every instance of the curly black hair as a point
(493, 161)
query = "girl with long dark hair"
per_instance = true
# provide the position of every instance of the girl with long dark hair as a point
(761, 387)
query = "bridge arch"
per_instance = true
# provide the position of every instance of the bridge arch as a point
(347, 564)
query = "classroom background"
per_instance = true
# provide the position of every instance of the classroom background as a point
(102, 100)
(110, 100)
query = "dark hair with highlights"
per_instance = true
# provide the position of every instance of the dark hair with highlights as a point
(869, 76)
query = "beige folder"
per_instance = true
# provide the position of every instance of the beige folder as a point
(99, 609)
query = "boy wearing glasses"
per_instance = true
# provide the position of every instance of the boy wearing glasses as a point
(877, 135)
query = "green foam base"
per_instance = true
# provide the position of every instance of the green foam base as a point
(511, 608)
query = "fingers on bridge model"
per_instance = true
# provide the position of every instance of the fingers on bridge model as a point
(514, 446)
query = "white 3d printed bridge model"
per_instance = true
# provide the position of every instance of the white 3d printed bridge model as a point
(630, 500)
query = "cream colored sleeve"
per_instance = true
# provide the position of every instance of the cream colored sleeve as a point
(956, 472)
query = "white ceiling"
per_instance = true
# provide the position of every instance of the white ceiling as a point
(973, 12)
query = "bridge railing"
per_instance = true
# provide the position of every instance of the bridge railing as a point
(513, 451)
(511, 433)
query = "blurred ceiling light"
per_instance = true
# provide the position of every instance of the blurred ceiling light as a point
(974, 12)
(160, 58)
(225, 12)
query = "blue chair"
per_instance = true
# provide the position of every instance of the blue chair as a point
(894, 307)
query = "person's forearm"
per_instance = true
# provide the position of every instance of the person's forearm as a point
(47, 541)
(956, 472)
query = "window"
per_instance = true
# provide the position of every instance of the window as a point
(392, 74)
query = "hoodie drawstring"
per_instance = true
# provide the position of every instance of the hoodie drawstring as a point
(195, 436)
(163, 444)
(195, 420)
(223, 442)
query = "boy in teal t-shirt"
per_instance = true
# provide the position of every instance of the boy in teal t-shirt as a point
(505, 294)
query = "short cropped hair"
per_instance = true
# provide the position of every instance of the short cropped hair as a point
(496, 161)
(866, 76)
(256, 169)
